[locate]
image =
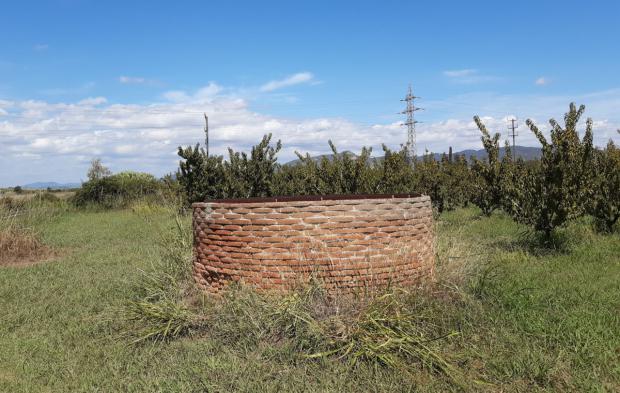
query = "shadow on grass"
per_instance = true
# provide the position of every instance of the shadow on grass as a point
(559, 242)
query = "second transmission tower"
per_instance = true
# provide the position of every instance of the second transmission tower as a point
(207, 133)
(410, 123)
(512, 127)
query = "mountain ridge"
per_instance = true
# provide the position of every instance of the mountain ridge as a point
(50, 184)
(528, 153)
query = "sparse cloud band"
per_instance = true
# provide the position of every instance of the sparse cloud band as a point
(131, 80)
(295, 79)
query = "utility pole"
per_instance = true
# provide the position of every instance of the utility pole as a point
(207, 134)
(410, 123)
(512, 127)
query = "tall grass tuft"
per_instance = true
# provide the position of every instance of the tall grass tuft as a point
(393, 329)
(159, 309)
(159, 320)
(387, 332)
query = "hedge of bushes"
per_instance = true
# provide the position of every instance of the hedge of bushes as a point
(118, 190)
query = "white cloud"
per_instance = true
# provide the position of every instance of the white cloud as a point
(541, 81)
(134, 80)
(459, 73)
(203, 94)
(295, 79)
(41, 47)
(93, 101)
(176, 96)
(64, 136)
(469, 76)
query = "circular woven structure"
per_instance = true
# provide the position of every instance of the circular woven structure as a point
(349, 243)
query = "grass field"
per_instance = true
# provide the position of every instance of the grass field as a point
(527, 319)
(29, 194)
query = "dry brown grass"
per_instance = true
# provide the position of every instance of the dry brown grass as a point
(20, 244)
(29, 195)
(21, 247)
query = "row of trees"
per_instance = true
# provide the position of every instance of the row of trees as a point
(258, 174)
(572, 178)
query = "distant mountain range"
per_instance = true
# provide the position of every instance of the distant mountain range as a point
(53, 185)
(321, 156)
(526, 152)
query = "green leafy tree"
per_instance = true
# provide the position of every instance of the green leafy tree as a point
(200, 175)
(604, 203)
(547, 195)
(342, 173)
(345, 173)
(395, 174)
(305, 178)
(458, 180)
(291, 180)
(431, 181)
(487, 193)
(252, 176)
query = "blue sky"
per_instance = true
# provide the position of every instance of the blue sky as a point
(128, 81)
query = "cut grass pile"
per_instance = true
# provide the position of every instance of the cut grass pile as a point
(503, 315)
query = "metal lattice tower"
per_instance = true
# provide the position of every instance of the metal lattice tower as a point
(513, 126)
(410, 123)
(207, 133)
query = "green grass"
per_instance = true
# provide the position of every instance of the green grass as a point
(528, 320)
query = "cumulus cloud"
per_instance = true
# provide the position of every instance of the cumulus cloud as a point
(59, 139)
(541, 81)
(291, 80)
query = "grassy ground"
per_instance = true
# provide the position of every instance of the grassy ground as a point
(528, 320)
(29, 194)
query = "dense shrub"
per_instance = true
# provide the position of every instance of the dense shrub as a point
(604, 201)
(343, 173)
(488, 174)
(117, 190)
(46, 197)
(396, 174)
(254, 175)
(448, 181)
(200, 175)
(547, 195)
